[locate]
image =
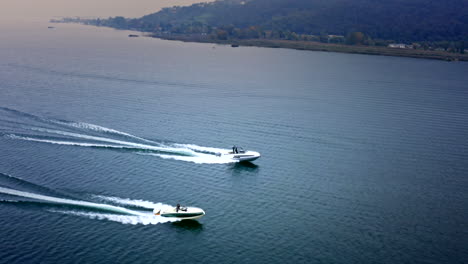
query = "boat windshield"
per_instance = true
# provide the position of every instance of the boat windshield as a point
(236, 150)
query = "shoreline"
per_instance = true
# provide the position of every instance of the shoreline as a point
(318, 46)
(307, 45)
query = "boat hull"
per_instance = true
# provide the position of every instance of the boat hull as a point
(183, 216)
(245, 156)
(183, 213)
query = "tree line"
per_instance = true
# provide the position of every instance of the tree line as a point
(425, 23)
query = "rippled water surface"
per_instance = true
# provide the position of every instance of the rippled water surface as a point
(364, 158)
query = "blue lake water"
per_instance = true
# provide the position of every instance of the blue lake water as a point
(364, 158)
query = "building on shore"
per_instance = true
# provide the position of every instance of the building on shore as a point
(400, 46)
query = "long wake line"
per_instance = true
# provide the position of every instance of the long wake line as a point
(114, 213)
(24, 126)
(68, 201)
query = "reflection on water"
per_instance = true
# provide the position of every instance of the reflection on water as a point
(391, 129)
(244, 166)
(191, 225)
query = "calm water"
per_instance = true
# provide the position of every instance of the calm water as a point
(364, 158)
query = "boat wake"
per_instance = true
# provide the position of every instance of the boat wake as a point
(16, 125)
(18, 192)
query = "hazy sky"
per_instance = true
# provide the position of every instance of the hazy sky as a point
(46, 9)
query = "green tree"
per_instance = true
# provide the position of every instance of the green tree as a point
(355, 38)
(222, 34)
(118, 22)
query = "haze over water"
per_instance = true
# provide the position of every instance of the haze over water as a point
(32, 10)
(363, 157)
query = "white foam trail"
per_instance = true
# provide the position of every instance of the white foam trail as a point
(82, 136)
(148, 219)
(123, 144)
(203, 149)
(126, 216)
(83, 125)
(187, 152)
(139, 203)
(9, 201)
(66, 143)
(77, 135)
(199, 159)
(69, 202)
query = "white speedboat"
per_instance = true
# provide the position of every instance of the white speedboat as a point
(240, 154)
(180, 212)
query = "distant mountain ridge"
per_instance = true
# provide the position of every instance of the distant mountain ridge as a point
(431, 23)
(399, 20)
(412, 28)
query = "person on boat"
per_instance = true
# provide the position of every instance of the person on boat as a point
(177, 208)
(234, 149)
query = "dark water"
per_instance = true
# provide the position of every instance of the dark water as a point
(364, 158)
